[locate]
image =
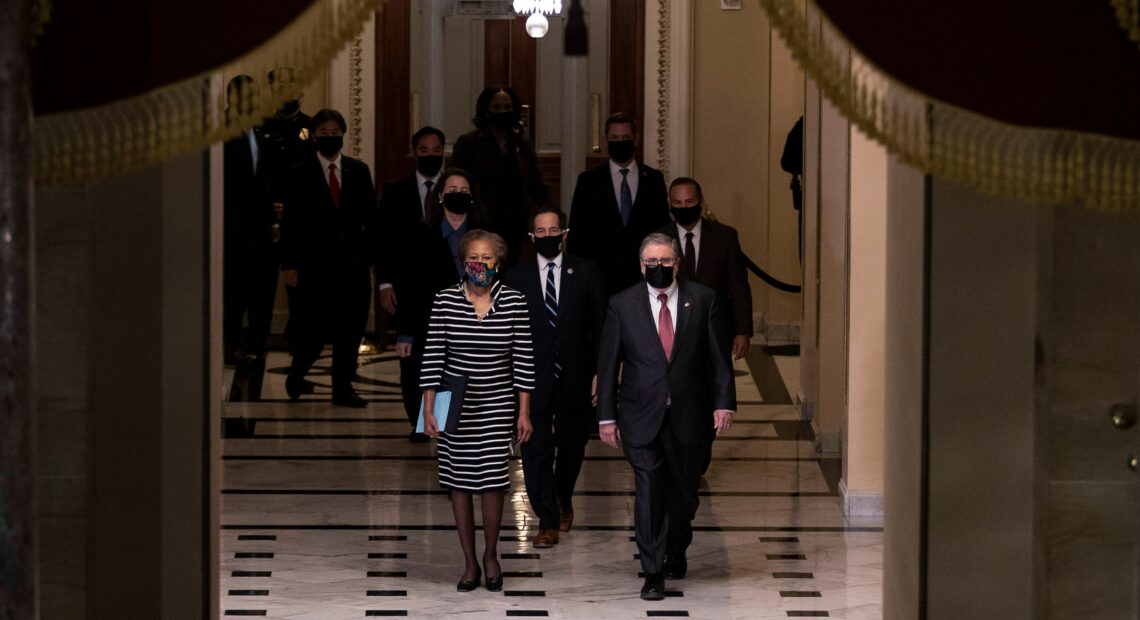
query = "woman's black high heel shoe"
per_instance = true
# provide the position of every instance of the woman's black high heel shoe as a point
(467, 585)
(495, 584)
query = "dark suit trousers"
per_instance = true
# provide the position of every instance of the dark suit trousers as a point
(666, 474)
(330, 309)
(410, 379)
(553, 457)
(248, 288)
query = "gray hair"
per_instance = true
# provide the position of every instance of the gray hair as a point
(659, 239)
(497, 244)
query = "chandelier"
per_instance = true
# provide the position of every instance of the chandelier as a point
(536, 24)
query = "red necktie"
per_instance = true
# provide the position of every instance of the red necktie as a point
(665, 325)
(334, 186)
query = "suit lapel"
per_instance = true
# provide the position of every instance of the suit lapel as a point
(613, 210)
(323, 181)
(567, 288)
(534, 292)
(684, 311)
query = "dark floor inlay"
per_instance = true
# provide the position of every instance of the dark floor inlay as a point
(246, 612)
(637, 556)
(248, 593)
(523, 574)
(799, 594)
(808, 614)
(386, 612)
(779, 539)
(257, 537)
(524, 593)
(387, 593)
(251, 573)
(667, 614)
(527, 613)
(387, 573)
(396, 556)
(254, 555)
(793, 576)
(674, 594)
(785, 556)
(521, 556)
(514, 538)
(388, 537)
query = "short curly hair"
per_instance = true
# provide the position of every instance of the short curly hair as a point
(497, 244)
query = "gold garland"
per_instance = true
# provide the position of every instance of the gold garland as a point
(1128, 14)
(663, 64)
(188, 116)
(1039, 165)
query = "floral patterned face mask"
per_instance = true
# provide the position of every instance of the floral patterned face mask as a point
(480, 274)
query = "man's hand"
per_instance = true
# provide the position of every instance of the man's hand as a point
(610, 434)
(594, 391)
(388, 301)
(404, 349)
(290, 277)
(722, 420)
(739, 346)
(524, 428)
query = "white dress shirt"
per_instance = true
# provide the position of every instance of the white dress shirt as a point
(681, 232)
(655, 305)
(542, 269)
(423, 190)
(631, 178)
(325, 166)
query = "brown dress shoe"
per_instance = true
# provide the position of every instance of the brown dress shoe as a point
(567, 519)
(546, 538)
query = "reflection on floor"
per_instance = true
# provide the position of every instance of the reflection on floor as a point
(331, 513)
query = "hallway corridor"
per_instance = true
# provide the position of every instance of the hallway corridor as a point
(330, 513)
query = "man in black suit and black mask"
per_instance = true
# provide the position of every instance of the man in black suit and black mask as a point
(404, 207)
(327, 233)
(567, 305)
(615, 205)
(665, 339)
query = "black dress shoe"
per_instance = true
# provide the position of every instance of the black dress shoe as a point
(495, 584)
(418, 438)
(295, 387)
(349, 399)
(676, 566)
(467, 585)
(654, 588)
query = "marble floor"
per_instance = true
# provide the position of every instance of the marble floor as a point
(330, 513)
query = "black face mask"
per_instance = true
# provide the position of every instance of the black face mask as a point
(457, 202)
(621, 151)
(686, 215)
(289, 108)
(502, 120)
(429, 165)
(329, 146)
(659, 277)
(549, 247)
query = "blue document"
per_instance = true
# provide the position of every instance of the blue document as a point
(441, 409)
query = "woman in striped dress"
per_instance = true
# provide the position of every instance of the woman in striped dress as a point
(479, 329)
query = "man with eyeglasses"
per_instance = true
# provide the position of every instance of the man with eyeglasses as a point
(567, 304)
(664, 338)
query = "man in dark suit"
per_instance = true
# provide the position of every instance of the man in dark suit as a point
(567, 306)
(710, 255)
(676, 390)
(615, 205)
(250, 272)
(327, 232)
(403, 210)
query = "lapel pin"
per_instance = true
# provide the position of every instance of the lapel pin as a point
(570, 270)
(688, 303)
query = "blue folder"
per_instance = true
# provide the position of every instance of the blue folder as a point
(448, 403)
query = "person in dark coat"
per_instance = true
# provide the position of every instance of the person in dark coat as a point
(615, 206)
(567, 306)
(503, 163)
(329, 242)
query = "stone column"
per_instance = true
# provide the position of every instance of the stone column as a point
(17, 510)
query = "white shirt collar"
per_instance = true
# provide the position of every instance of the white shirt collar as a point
(325, 161)
(544, 261)
(421, 179)
(615, 168)
(696, 232)
(654, 292)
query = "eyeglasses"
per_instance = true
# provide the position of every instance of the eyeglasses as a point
(664, 262)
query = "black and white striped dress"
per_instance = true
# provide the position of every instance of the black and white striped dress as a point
(496, 357)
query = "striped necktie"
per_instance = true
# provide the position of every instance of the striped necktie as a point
(551, 301)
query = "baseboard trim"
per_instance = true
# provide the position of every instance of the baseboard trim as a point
(860, 504)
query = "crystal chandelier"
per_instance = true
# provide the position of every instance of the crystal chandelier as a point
(536, 24)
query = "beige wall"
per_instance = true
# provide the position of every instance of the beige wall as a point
(747, 94)
(867, 327)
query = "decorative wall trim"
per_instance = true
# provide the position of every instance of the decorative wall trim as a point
(355, 95)
(662, 108)
(668, 85)
(184, 117)
(1041, 165)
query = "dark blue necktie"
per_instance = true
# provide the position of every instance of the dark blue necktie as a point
(626, 197)
(551, 300)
